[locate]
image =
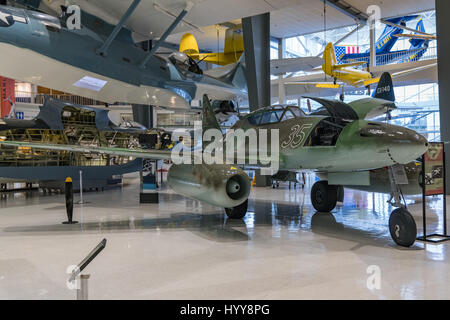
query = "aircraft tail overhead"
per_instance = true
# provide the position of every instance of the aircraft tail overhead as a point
(209, 117)
(329, 56)
(189, 45)
(420, 26)
(385, 88)
(234, 41)
(416, 43)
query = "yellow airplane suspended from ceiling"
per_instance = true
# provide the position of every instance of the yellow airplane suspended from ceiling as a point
(348, 73)
(234, 47)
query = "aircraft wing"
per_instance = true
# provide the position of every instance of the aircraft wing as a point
(282, 66)
(398, 74)
(324, 85)
(136, 153)
(414, 70)
(417, 36)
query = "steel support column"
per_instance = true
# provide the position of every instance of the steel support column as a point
(442, 27)
(103, 50)
(281, 85)
(373, 49)
(144, 115)
(257, 59)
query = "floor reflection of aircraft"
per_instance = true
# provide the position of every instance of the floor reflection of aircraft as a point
(344, 146)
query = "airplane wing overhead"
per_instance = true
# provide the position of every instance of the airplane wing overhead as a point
(152, 17)
(282, 66)
(325, 85)
(417, 36)
(143, 154)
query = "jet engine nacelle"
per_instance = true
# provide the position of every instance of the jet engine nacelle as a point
(223, 186)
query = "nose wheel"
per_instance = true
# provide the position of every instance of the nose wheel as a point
(402, 227)
(324, 196)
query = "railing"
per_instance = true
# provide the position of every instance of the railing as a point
(396, 57)
(29, 97)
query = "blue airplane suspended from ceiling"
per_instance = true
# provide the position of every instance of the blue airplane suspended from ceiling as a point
(392, 32)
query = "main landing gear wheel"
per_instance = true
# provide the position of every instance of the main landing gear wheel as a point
(323, 196)
(238, 212)
(402, 227)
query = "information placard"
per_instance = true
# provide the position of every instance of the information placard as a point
(434, 169)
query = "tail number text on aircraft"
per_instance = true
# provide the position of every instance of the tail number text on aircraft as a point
(297, 136)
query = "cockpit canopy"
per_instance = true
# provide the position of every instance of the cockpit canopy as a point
(185, 63)
(273, 114)
(49, 21)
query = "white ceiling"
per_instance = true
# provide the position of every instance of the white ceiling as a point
(288, 17)
(306, 16)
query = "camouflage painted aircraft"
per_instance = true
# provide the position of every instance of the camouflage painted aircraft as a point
(341, 145)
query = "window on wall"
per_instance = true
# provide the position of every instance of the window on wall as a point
(273, 50)
(418, 105)
(418, 109)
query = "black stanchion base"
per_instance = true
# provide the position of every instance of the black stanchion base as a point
(149, 197)
(435, 235)
(70, 222)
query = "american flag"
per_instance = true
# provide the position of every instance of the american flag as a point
(341, 50)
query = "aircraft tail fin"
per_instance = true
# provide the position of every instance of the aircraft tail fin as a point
(234, 41)
(385, 88)
(234, 74)
(420, 26)
(416, 43)
(209, 117)
(189, 45)
(329, 56)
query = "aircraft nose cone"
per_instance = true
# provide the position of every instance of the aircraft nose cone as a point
(408, 147)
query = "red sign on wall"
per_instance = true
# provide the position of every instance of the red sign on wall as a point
(7, 95)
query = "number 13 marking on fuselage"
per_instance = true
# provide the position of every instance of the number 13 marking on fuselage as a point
(297, 136)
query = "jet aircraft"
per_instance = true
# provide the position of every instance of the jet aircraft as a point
(341, 145)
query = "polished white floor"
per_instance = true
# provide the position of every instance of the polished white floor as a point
(180, 249)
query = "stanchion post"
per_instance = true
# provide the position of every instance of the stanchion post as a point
(69, 201)
(83, 291)
(445, 195)
(81, 188)
(424, 199)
